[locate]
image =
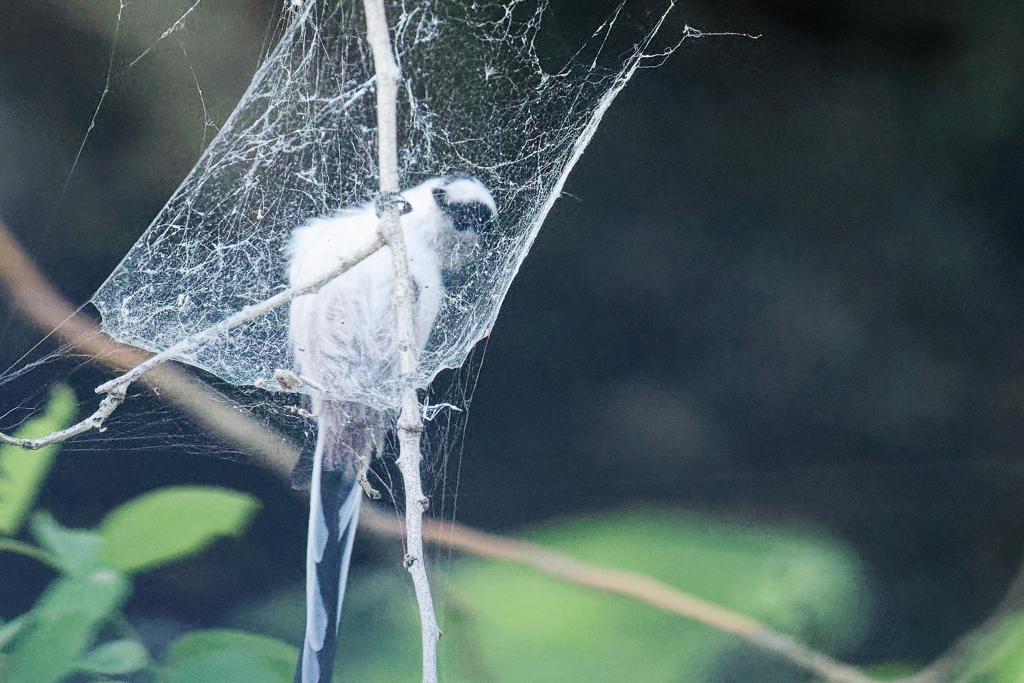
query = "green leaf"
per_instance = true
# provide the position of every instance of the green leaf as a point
(230, 657)
(170, 523)
(22, 471)
(73, 550)
(997, 656)
(63, 623)
(117, 657)
(9, 630)
(505, 623)
(801, 583)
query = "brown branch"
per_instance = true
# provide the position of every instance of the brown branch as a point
(41, 304)
(31, 294)
(620, 582)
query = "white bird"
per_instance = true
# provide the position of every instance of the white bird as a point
(344, 340)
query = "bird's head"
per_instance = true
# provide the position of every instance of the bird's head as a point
(460, 209)
(466, 202)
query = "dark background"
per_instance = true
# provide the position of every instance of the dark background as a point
(785, 283)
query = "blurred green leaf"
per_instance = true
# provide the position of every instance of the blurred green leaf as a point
(800, 582)
(22, 471)
(379, 608)
(117, 657)
(9, 630)
(170, 523)
(63, 623)
(73, 550)
(505, 623)
(891, 672)
(996, 656)
(803, 584)
(230, 657)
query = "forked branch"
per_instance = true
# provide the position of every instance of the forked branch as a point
(29, 291)
(117, 388)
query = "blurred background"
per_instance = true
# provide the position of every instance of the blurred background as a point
(783, 286)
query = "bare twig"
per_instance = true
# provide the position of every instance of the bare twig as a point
(410, 424)
(630, 584)
(33, 294)
(243, 316)
(40, 303)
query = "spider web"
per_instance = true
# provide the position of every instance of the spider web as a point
(301, 143)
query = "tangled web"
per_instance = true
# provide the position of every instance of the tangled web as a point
(475, 99)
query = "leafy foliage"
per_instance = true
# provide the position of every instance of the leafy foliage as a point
(501, 622)
(21, 471)
(63, 623)
(164, 525)
(230, 657)
(63, 633)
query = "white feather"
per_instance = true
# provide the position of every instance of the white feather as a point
(344, 339)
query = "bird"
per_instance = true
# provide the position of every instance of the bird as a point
(346, 350)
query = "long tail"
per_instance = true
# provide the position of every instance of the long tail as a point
(334, 501)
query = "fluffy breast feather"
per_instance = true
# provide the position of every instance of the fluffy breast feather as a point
(343, 336)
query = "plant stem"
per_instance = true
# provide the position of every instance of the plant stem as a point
(634, 585)
(10, 545)
(410, 424)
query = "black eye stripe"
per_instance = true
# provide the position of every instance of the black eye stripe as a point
(465, 216)
(469, 216)
(440, 196)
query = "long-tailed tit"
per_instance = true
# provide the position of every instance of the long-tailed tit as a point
(344, 339)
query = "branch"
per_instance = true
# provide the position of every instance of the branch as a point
(410, 424)
(47, 310)
(44, 307)
(12, 546)
(620, 582)
(39, 301)
(248, 313)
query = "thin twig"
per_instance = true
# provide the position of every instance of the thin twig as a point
(31, 293)
(243, 316)
(630, 584)
(13, 546)
(41, 304)
(410, 424)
